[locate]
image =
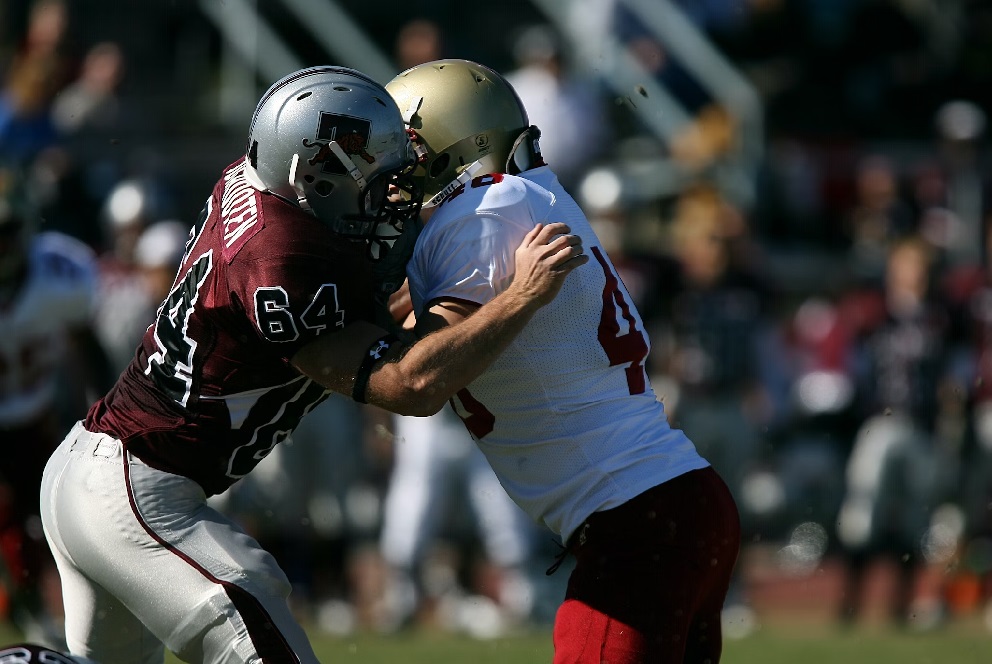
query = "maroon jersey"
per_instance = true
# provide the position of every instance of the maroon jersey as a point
(211, 390)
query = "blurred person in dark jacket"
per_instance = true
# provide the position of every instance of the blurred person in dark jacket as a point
(713, 345)
(894, 471)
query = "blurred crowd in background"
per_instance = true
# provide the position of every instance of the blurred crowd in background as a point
(817, 281)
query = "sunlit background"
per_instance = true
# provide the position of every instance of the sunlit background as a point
(795, 191)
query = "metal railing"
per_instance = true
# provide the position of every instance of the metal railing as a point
(601, 53)
(254, 50)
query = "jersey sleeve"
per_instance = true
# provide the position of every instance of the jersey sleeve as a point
(468, 259)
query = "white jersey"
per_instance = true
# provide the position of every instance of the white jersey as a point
(58, 294)
(566, 415)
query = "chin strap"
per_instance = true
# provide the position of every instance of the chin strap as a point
(465, 176)
(349, 164)
(346, 161)
(525, 154)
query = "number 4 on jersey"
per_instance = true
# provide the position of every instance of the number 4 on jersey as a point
(631, 346)
(171, 367)
(276, 322)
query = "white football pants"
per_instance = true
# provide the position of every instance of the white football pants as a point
(145, 563)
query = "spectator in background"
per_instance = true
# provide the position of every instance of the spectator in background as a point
(36, 73)
(95, 122)
(718, 314)
(879, 217)
(894, 470)
(158, 253)
(50, 366)
(129, 296)
(90, 101)
(812, 445)
(713, 326)
(123, 304)
(969, 289)
(419, 40)
(569, 110)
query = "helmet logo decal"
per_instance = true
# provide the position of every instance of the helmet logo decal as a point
(351, 133)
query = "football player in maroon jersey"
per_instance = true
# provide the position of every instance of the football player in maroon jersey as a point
(273, 307)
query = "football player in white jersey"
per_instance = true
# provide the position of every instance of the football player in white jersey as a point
(566, 415)
(49, 357)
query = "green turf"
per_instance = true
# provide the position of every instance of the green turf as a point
(772, 644)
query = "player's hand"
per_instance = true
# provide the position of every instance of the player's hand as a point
(547, 254)
(401, 307)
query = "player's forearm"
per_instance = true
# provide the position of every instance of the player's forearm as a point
(431, 371)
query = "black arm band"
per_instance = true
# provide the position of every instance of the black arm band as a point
(374, 354)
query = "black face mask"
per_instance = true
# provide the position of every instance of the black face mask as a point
(377, 209)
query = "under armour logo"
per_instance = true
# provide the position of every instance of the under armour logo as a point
(377, 352)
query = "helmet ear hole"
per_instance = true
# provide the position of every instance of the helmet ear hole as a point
(253, 154)
(439, 164)
(323, 188)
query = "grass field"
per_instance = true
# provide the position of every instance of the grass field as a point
(796, 626)
(783, 643)
(768, 646)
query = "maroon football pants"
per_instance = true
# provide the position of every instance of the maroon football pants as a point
(651, 577)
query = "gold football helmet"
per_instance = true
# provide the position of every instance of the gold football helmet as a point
(468, 121)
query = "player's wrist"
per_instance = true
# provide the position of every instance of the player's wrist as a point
(519, 300)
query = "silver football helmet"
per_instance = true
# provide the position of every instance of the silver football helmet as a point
(331, 141)
(468, 120)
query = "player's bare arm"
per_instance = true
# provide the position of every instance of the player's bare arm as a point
(417, 379)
